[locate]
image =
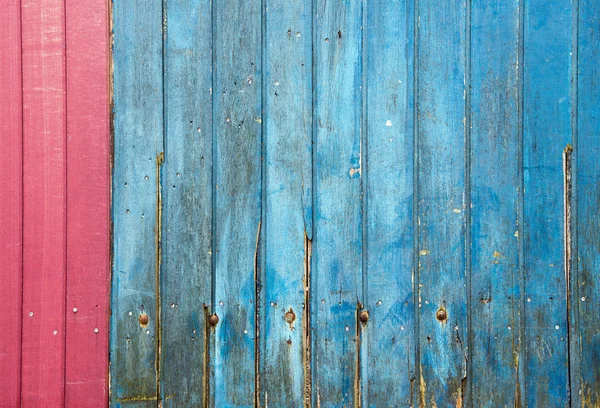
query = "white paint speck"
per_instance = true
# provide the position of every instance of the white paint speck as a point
(388, 123)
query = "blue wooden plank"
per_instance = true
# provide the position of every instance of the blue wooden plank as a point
(442, 201)
(237, 193)
(389, 341)
(337, 245)
(138, 145)
(187, 201)
(586, 290)
(495, 299)
(546, 132)
(285, 374)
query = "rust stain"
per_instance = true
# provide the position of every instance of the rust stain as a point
(306, 335)
(160, 159)
(357, 379)
(257, 294)
(517, 382)
(206, 358)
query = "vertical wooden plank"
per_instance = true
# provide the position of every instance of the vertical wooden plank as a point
(547, 131)
(11, 201)
(442, 201)
(390, 336)
(138, 145)
(495, 299)
(44, 244)
(237, 197)
(288, 183)
(187, 201)
(586, 290)
(87, 203)
(337, 249)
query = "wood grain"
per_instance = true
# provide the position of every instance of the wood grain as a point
(287, 134)
(546, 132)
(389, 340)
(136, 207)
(496, 353)
(338, 166)
(187, 203)
(88, 204)
(11, 202)
(237, 137)
(44, 191)
(443, 202)
(585, 290)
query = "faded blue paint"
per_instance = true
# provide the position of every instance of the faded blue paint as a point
(138, 140)
(546, 132)
(186, 181)
(323, 158)
(388, 348)
(288, 200)
(496, 375)
(337, 244)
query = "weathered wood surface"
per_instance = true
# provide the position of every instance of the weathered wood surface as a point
(54, 203)
(336, 275)
(136, 207)
(11, 201)
(322, 159)
(389, 341)
(185, 275)
(585, 283)
(546, 133)
(44, 210)
(237, 173)
(285, 360)
(496, 353)
(443, 205)
(88, 203)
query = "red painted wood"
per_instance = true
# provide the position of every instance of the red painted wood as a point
(44, 232)
(88, 203)
(10, 202)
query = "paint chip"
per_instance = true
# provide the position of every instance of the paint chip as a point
(424, 252)
(388, 123)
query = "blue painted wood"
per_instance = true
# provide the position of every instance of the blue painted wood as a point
(495, 351)
(442, 201)
(547, 131)
(373, 165)
(285, 372)
(389, 341)
(337, 245)
(237, 161)
(138, 144)
(585, 375)
(186, 205)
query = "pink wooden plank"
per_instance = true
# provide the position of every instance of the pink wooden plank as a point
(88, 203)
(44, 226)
(10, 202)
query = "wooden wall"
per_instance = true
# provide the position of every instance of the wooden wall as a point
(54, 203)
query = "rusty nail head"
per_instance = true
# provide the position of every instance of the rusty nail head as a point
(144, 319)
(290, 317)
(213, 319)
(364, 316)
(441, 315)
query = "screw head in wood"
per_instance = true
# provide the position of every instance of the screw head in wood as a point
(364, 316)
(143, 319)
(290, 316)
(441, 315)
(213, 319)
